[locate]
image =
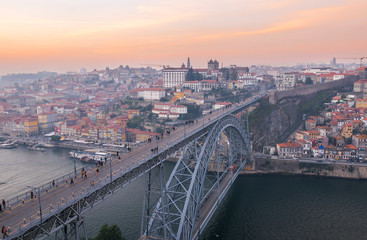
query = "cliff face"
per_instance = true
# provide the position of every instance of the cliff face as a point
(271, 124)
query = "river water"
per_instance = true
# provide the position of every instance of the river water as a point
(256, 207)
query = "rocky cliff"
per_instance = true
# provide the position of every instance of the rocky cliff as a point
(273, 123)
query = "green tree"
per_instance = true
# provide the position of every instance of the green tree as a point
(309, 81)
(164, 99)
(55, 138)
(135, 122)
(189, 75)
(193, 111)
(106, 232)
(192, 76)
(159, 130)
(234, 74)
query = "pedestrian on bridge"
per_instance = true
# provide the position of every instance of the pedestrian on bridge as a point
(4, 204)
(4, 231)
(1, 209)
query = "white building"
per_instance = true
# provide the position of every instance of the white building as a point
(181, 109)
(286, 81)
(174, 77)
(318, 71)
(167, 110)
(148, 93)
(198, 86)
(221, 105)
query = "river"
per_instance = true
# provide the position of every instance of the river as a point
(256, 207)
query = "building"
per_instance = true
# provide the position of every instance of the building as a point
(358, 125)
(362, 72)
(289, 149)
(213, 65)
(167, 110)
(347, 130)
(360, 86)
(46, 121)
(174, 77)
(132, 113)
(137, 135)
(286, 81)
(324, 130)
(310, 124)
(222, 105)
(198, 86)
(31, 126)
(148, 93)
(361, 103)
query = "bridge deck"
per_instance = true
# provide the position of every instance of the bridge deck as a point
(20, 217)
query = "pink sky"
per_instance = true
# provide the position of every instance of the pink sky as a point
(65, 36)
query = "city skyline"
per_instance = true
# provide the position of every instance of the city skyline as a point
(66, 36)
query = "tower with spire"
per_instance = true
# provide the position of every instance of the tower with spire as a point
(188, 62)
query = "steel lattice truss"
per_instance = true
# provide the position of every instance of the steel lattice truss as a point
(176, 213)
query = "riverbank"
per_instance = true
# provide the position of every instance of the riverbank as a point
(266, 165)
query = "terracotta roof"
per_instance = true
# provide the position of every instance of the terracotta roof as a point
(289, 145)
(147, 89)
(351, 146)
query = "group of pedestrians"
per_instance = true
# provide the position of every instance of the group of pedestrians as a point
(84, 173)
(4, 231)
(154, 150)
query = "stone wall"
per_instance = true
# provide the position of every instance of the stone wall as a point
(281, 166)
(276, 96)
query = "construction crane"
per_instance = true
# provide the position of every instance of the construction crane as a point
(361, 58)
(155, 65)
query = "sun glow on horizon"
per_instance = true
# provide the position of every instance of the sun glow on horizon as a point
(64, 35)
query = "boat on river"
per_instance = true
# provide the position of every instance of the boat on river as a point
(8, 144)
(37, 148)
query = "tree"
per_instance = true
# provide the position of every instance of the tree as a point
(164, 99)
(309, 81)
(135, 122)
(112, 232)
(159, 130)
(234, 74)
(189, 75)
(192, 76)
(55, 138)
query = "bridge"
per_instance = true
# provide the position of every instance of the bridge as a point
(214, 150)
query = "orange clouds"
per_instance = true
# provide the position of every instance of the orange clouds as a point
(270, 32)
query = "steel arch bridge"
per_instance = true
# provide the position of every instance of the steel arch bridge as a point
(181, 208)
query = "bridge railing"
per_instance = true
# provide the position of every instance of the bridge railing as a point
(43, 188)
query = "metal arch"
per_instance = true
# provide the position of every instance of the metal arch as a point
(176, 211)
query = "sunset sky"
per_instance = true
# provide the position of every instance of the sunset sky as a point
(70, 34)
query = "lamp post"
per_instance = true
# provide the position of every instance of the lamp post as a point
(74, 163)
(110, 167)
(185, 130)
(39, 199)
